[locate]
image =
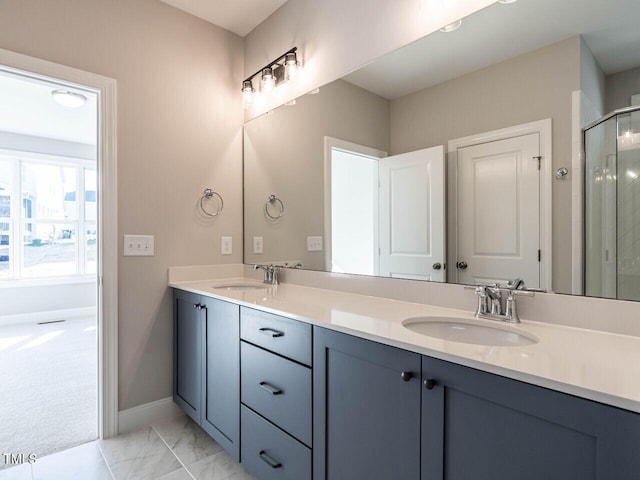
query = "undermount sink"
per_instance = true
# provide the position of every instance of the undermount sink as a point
(464, 330)
(240, 286)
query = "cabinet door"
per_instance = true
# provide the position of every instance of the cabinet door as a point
(187, 352)
(366, 415)
(221, 374)
(479, 426)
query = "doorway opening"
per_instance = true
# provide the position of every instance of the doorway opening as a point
(49, 264)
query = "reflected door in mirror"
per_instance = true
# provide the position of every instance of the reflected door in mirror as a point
(412, 230)
(499, 211)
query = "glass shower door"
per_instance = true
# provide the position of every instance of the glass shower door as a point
(600, 210)
(628, 203)
(612, 207)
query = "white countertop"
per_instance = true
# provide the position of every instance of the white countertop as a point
(600, 366)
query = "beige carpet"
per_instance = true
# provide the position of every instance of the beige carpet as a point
(48, 386)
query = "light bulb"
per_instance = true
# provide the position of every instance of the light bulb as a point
(268, 81)
(291, 66)
(247, 93)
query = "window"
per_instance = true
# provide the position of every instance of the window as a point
(48, 216)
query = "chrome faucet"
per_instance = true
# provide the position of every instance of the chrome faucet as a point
(270, 273)
(490, 302)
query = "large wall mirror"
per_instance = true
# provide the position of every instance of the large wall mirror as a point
(477, 156)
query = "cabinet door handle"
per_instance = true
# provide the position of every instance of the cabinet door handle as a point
(270, 388)
(429, 383)
(270, 332)
(268, 460)
(406, 376)
(196, 305)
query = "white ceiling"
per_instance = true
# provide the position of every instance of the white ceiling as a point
(27, 107)
(238, 16)
(499, 32)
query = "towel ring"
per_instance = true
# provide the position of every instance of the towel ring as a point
(272, 200)
(208, 194)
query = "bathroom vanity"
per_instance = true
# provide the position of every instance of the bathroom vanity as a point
(329, 385)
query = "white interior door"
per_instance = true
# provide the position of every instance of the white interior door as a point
(498, 205)
(412, 230)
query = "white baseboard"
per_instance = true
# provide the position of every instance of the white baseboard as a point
(144, 415)
(47, 316)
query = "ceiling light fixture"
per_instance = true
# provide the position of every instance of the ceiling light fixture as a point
(451, 27)
(285, 67)
(68, 99)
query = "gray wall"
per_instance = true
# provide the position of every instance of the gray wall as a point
(179, 120)
(620, 87)
(284, 155)
(592, 78)
(527, 88)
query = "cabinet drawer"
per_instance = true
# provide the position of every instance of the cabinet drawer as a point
(270, 454)
(278, 389)
(287, 337)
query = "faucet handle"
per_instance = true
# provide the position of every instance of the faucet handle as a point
(521, 293)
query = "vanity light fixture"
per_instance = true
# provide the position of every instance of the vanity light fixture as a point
(314, 91)
(247, 93)
(506, 2)
(290, 103)
(283, 68)
(268, 81)
(68, 99)
(291, 66)
(451, 27)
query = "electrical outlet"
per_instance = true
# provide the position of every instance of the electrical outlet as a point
(314, 244)
(257, 245)
(138, 246)
(226, 245)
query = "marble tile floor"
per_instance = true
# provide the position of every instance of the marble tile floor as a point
(175, 449)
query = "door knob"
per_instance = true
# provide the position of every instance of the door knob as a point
(437, 266)
(462, 265)
(406, 376)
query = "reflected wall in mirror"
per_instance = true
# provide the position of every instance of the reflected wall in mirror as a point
(467, 130)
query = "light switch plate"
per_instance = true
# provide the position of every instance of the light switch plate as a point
(138, 246)
(314, 244)
(257, 245)
(226, 245)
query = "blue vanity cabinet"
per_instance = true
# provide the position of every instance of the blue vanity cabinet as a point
(221, 374)
(276, 385)
(366, 410)
(206, 370)
(480, 426)
(187, 353)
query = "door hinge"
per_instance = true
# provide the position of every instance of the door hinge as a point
(538, 158)
(539, 255)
